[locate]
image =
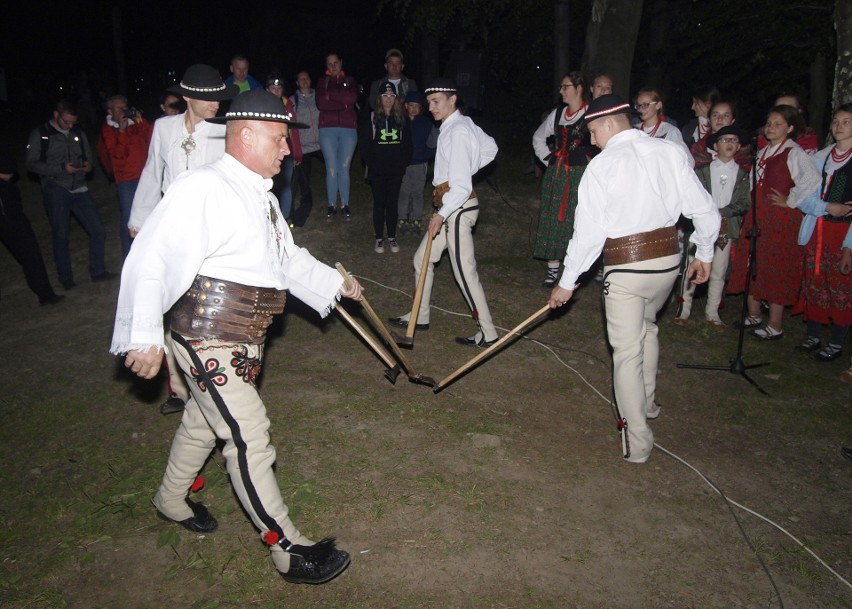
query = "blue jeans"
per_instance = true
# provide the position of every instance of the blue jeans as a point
(338, 146)
(59, 205)
(125, 191)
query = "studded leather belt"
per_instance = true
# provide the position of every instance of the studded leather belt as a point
(213, 308)
(641, 246)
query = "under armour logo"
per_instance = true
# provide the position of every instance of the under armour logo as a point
(392, 135)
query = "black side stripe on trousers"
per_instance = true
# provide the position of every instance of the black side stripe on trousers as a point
(236, 434)
(464, 286)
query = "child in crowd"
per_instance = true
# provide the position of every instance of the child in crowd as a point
(730, 185)
(826, 233)
(785, 176)
(698, 128)
(424, 140)
(722, 114)
(649, 105)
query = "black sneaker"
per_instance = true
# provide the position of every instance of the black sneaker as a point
(331, 213)
(346, 215)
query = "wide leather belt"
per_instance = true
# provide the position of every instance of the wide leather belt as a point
(225, 310)
(439, 192)
(641, 246)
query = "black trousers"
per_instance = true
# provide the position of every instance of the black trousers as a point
(385, 203)
(16, 233)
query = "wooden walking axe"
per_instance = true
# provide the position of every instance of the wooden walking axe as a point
(407, 341)
(514, 332)
(392, 370)
(380, 327)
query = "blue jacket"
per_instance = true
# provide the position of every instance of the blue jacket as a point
(424, 139)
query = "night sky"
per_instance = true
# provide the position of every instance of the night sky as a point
(44, 51)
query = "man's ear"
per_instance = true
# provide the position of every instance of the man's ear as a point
(247, 136)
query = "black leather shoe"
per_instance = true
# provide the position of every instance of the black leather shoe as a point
(202, 521)
(399, 321)
(316, 564)
(471, 341)
(172, 405)
(105, 276)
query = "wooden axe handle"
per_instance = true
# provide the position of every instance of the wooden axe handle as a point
(376, 347)
(418, 293)
(377, 322)
(495, 347)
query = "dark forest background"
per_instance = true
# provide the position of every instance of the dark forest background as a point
(752, 50)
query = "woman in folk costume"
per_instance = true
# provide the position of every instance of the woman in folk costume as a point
(826, 296)
(785, 176)
(560, 143)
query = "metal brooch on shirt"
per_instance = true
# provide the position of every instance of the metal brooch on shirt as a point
(273, 218)
(188, 145)
(723, 179)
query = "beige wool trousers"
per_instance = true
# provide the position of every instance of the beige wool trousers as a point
(634, 293)
(456, 238)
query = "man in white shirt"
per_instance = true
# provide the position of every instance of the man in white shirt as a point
(630, 197)
(463, 149)
(180, 143)
(218, 249)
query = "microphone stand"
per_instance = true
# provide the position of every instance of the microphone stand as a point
(737, 365)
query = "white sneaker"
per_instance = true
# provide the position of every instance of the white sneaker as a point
(394, 247)
(380, 246)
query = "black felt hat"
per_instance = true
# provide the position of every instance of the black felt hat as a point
(607, 105)
(204, 82)
(741, 135)
(258, 105)
(441, 85)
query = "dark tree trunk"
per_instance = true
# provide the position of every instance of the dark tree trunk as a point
(659, 27)
(610, 41)
(818, 96)
(843, 70)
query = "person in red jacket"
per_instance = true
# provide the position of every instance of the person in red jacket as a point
(336, 97)
(123, 150)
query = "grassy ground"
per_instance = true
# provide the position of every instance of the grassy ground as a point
(505, 490)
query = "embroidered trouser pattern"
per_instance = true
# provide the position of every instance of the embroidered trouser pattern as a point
(224, 403)
(457, 239)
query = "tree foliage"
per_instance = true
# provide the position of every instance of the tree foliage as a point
(750, 50)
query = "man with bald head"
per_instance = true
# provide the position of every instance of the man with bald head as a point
(218, 249)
